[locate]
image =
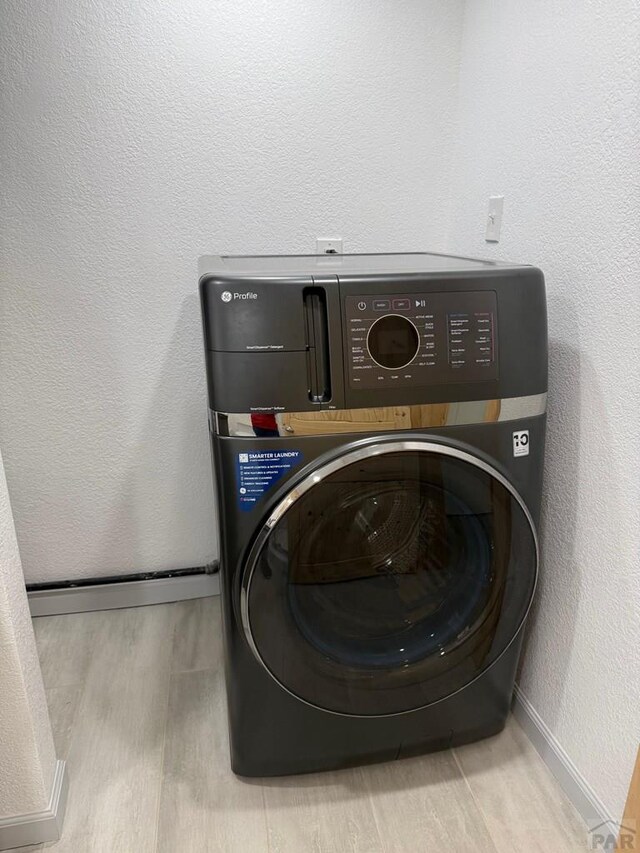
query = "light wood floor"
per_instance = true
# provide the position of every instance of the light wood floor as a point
(137, 703)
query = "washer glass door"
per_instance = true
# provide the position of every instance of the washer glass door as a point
(389, 578)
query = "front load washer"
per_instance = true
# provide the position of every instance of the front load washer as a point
(377, 426)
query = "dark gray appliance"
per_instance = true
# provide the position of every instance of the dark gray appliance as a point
(377, 425)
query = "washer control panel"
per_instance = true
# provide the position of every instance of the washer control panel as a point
(421, 338)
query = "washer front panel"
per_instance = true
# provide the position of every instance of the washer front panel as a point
(457, 338)
(389, 578)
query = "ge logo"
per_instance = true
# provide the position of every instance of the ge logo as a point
(226, 296)
(521, 443)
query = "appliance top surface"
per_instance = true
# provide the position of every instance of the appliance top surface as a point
(407, 263)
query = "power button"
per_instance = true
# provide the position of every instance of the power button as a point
(362, 306)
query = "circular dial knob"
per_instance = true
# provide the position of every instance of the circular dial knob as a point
(393, 341)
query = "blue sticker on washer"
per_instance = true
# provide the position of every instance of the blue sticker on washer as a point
(258, 470)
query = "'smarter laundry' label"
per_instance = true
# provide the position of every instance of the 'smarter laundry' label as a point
(258, 470)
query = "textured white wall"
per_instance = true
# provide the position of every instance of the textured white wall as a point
(27, 758)
(549, 117)
(135, 137)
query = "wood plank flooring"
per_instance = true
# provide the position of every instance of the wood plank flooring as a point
(138, 709)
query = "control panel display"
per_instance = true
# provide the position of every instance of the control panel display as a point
(393, 341)
(421, 338)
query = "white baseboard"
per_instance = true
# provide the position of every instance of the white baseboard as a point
(574, 785)
(109, 596)
(42, 826)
